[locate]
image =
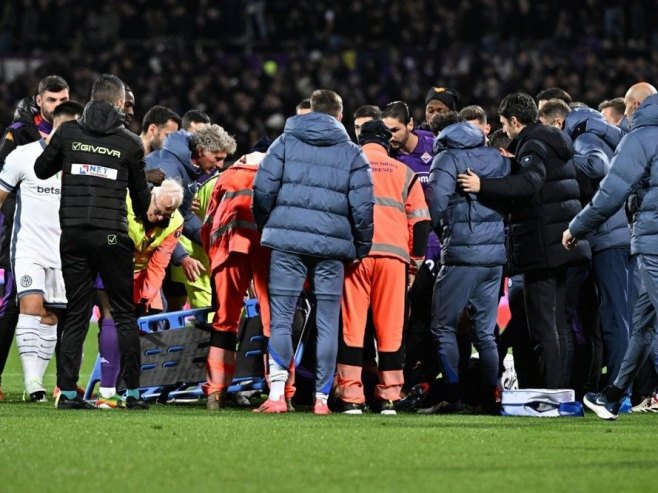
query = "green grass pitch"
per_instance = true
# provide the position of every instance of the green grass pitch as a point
(184, 448)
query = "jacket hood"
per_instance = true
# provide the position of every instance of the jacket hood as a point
(317, 129)
(460, 135)
(178, 143)
(101, 118)
(26, 109)
(646, 114)
(587, 120)
(557, 140)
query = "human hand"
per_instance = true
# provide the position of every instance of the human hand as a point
(155, 176)
(192, 268)
(568, 241)
(469, 182)
(196, 204)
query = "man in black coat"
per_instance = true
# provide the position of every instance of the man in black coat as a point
(99, 159)
(545, 195)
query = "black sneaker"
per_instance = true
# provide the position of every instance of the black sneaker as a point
(351, 408)
(414, 398)
(387, 408)
(599, 403)
(63, 402)
(136, 404)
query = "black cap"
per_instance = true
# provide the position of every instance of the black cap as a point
(447, 96)
(262, 145)
(375, 131)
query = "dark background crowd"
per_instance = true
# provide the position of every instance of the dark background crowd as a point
(247, 63)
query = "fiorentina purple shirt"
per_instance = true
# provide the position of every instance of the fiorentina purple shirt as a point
(420, 161)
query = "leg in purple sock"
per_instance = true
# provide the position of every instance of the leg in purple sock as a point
(108, 344)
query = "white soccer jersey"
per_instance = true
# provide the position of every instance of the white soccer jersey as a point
(36, 221)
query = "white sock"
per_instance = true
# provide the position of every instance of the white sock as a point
(319, 396)
(278, 377)
(48, 341)
(107, 392)
(28, 342)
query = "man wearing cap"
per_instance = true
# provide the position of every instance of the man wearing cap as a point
(401, 221)
(440, 100)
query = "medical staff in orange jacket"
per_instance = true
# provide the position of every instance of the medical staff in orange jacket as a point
(379, 281)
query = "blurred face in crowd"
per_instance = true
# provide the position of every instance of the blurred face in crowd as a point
(158, 212)
(433, 107)
(49, 100)
(196, 126)
(632, 104)
(129, 107)
(485, 127)
(358, 123)
(209, 160)
(556, 122)
(399, 131)
(611, 115)
(160, 132)
(511, 127)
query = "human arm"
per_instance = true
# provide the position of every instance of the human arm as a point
(361, 200)
(156, 268)
(51, 159)
(267, 182)
(442, 183)
(140, 194)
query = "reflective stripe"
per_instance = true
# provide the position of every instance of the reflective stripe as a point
(407, 183)
(385, 201)
(422, 213)
(386, 248)
(238, 193)
(237, 223)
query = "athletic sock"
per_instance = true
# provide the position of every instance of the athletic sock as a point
(321, 396)
(69, 394)
(107, 392)
(28, 341)
(48, 339)
(108, 347)
(132, 393)
(278, 377)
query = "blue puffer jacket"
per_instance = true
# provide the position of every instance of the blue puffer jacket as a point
(595, 141)
(471, 232)
(313, 192)
(635, 163)
(175, 159)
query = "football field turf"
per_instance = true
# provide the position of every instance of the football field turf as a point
(186, 448)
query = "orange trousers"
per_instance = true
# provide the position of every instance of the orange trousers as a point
(378, 283)
(231, 281)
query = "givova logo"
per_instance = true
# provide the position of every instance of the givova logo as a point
(105, 151)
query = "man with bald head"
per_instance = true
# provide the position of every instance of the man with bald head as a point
(631, 172)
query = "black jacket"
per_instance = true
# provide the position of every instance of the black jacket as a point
(21, 131)
(99, 159)
(543, 181)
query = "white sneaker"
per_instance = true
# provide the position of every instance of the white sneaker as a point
(648, 405)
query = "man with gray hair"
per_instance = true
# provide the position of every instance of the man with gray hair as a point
(186, 157)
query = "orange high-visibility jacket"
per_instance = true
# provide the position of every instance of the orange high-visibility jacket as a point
(229, 225)
(399, 204)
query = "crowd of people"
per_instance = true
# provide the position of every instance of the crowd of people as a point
(203, 56)
(404, 237)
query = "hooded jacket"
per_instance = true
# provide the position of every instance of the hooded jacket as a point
(98, 159)
(471, 232)
(595, 141)
(544, 181)
(633, 167)
(313, 193)
(175, 159)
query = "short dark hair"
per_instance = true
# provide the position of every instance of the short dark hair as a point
(398, 110)
(554, 93)
(368, 110)
(304, 104)
(159, 115)
(326, 101)
(554, 108)
(68, 108)
(473, 112)
(190, 116)
(499, 139)
(108, 88)
(519, 105)
(617, 104)
(442, 120)
(52, 83)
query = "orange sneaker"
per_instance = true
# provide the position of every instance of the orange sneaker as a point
(320, 407)
(270, 406)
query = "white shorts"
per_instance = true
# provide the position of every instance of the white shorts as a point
(31, 278)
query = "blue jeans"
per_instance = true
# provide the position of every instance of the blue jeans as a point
(287, 276)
